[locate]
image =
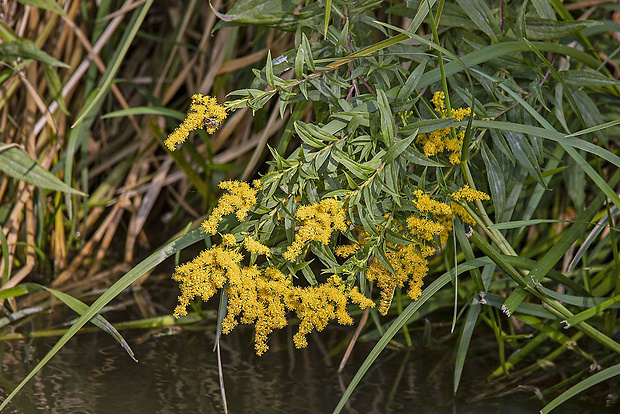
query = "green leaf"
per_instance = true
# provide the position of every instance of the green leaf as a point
(299, 62)
(399, 147)
(495, 178)
(146, 110)
(269, 71)
(582, 301)
(412, 81)
(328, 12)
(50, 5)
(480, 13)
(416, 157)
(55, 87)
(545, 29)
(75, 304)
(387, 119)
(525, 155)
(464, 340)
(25, 49)
(271, 12)
(360, 171)
(307, 52)
(544, 9)
(587, 78)
(17, 164)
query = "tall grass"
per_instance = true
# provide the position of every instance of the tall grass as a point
(350, 91)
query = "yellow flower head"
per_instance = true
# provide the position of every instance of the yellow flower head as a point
(425, 204)
(229, 239)
(239, 200)
(409, 266)
(204, 112)
(346, 250)
(254, 246)
(441, 139)
(204, 275)
(424, 229)
(316, 223)
(263, 297)
(469, 194)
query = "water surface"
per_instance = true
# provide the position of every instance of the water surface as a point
(178, 373)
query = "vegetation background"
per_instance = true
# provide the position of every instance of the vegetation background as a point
(90, 90)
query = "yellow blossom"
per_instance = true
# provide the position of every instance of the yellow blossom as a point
(460, 211)
(424, 229)
(254, 246)
(438, 101)
(316, 223)
(204, 275)
(239, 200)
(425, 204)
(263, 297)
(409, 266)
(229, 239)
(346, 250)
(441, 139)
(204, 112)
(466, 193)
(315, 306)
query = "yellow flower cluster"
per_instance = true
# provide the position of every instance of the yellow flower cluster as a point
(468, 194)
(263, 297)
(432, 221)
(409, 264)
(254, 246)
(317, 222)
(239, 200)
(316, 306)
(440, 140)
(424, 229)
(229, 239)
(346, 250)
(204, 275)
(204, 112)
(425, 204)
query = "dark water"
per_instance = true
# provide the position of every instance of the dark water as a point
(178, 374)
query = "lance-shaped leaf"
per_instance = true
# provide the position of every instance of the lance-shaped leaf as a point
(17, 164)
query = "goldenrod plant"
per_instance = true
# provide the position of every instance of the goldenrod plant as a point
(419, 156)
(389, 247)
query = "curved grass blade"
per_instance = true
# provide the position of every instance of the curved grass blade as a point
(132, 29)
(526, 223)
(146, 110)
(130, 277)
(75, 304)
(468, 330)
(582, 386)
(401, 320)
(594, 233)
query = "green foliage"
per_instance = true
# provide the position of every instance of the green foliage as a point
(389, 122)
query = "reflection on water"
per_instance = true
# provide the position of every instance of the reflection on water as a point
(178, 373)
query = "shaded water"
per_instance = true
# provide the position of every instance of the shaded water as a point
(178, 373)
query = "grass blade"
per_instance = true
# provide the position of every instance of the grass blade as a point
(401, 320)
(130, 277)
